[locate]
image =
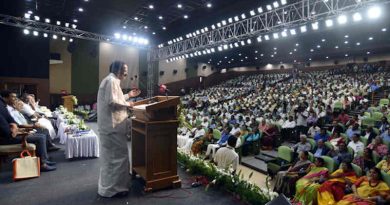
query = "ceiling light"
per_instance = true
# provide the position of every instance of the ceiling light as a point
(117, 35)
(309, 59)
(314, 25)
(259, 39)
(55, 36)
(252, 12)
(336, 47)
(384, 29)
(345, 42)
(213, 26)
(276, 35)
(75, 21)
(26, 31)
(276, 4)
(154, 33)
(266, 37)
(260, 10)
(327, 57)
(275, 48)
(249, 41)
(45, 35)
(47, 20)
(209, 5)
(243, 16)
(67, 24)
(368, 52)
(71, 40)
(311, 50)
(219, 25)
(124, 37)
(124, 27)
(357, 17)
(236, 18)
(293, 32)
(220, 48)
(81, 9)
(318, 46)
(370, 38)
(297, 44)
(329, 23)
(136, 18)
(284, 33)
(374, 12)
(160, 17)
(269, 7)
(242, 43)
(185, 16)
(36, 18)
(236, 44)
(358, 43)
(323, 40)
(179, 6)
(346, 36)
(151, 6)
(284, 2)
(74, 26)
(342, 19)
(27, 15)
(58, 23)
(303, 29)
(29, 12)
(164, 28)
(346, 55)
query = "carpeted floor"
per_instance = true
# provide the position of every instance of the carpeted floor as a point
(75, 183)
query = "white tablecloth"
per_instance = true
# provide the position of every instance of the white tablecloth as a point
(86, 145)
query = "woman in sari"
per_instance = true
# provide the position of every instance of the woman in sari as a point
(307, 186)
(367, 190)
(198, 145)
(332, 190)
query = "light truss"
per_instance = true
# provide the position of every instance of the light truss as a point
(284, 17)
(63, 31)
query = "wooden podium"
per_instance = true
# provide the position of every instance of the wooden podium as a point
(154, 142)
(68, 102)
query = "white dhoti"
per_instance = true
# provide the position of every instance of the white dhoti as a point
(211, 149)
(113, 128)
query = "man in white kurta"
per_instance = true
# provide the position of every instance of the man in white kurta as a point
(113, 128)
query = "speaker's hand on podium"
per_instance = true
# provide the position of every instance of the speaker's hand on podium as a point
(134, 93)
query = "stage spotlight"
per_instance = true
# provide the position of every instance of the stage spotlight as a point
(284, 33)
(219, 25)
(370, 38)
(284, 2)
(293, 32)
(220, 48)
(357, 17)
(315, 25)
(342, 19)
(269, 7)
(209, 5)
(58, 23)
(27, 15)
(213, 26)
(374, 12)
(66, 24)
(260, 10)
(45, 35)
(242, 43)
(47, 20)
(81, 9)
(71, 40)
(212, 50)
(276, 4)
(252, 12)
(74, 26)
(117, 35)
(36, 18)
(236, 18)
(230, 20)
(35, 33)
(224, 22)
(276, 36)
(243, 16)
(249, 41)
(124, 37)
(329, 23)
(266, 37)
(55, 36)
(384, 29)
(236, 45)
(259, 39)
(303, 29)
(26, 31)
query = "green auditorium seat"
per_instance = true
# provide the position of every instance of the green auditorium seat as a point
(312, 143)
(329, 163)
(284, 160)
(357, 169)
(377, 116)
(368, 122)
(217, 134)
(384, 102)
(376, 158)
(386, 177)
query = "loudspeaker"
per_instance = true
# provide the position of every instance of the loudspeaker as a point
(161, 72)
(280, 200)
(174, 71)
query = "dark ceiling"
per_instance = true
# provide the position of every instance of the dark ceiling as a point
(135, 16)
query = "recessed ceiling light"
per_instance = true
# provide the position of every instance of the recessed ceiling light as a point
(151, 6)
(145, 27)
(323, 40)
(164, 28)
(384, 29)
(209, 5)
(346, 55)
(154, 33)
(35, 33)
(336, 47)
(81, 9)
(75, 21)
(346, 36)
(124, 27)
(160, 17)
(345, 42)
(136, 18)
(370, 38)
(368, 52)
(358, 43)
(179, 6)
(185, 16)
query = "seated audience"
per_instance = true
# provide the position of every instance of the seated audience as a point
(303, 145)
(353, 130)
(356, 145)
(322, 135)
(366, 190)
(332, 190)
(226, 156)
(341, 154)
(321, 149)
(313, 130)
(378, 147)
(384, 165)
(365, 161)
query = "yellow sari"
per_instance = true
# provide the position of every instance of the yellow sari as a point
(365, 190)
(333, 189)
